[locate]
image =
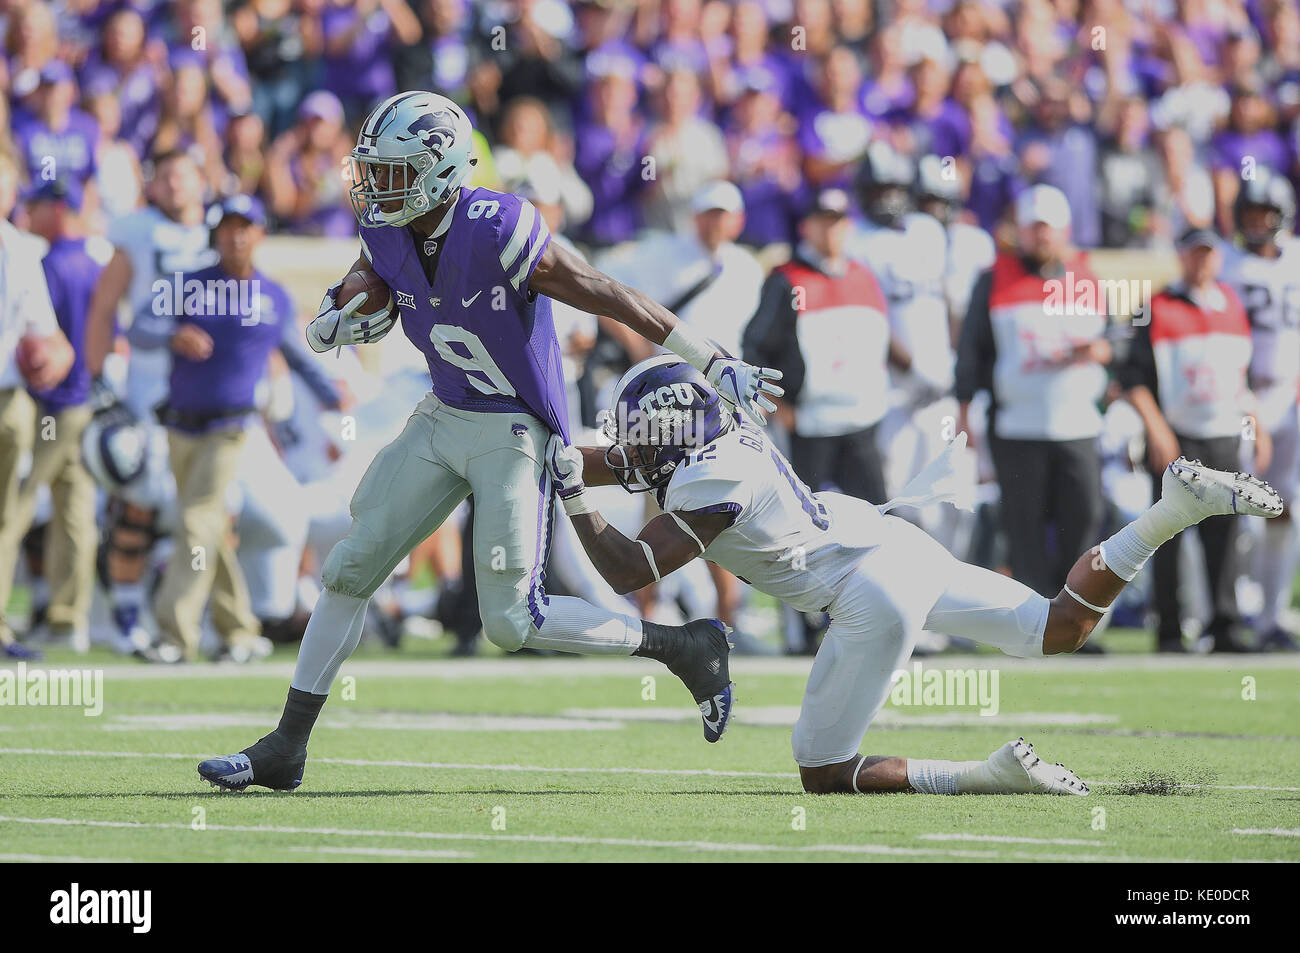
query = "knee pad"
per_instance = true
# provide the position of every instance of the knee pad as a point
(350, 570)
(1024, 625)
(507, 620)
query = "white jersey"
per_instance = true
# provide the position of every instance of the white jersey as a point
(910, 263)
(784, 540)
(1269, 289)
(158, 248)
(970, 253)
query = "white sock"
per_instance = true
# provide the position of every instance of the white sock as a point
(1275, 565)
(573, 625)
(332, 635)
(1127, 551)
(941, 777)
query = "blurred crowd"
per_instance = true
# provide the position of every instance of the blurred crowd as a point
(1143, 112)
(914, 159)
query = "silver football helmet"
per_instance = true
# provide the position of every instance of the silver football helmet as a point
(414, 151)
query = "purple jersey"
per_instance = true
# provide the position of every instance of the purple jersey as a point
(70, 150)
(70, 274)
(489, 341)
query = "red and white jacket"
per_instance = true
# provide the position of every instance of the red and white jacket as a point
(1193, 355)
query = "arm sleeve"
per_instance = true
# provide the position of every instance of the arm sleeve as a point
(302, 361)
(1138, 369)
(771, 339)
(976, 349)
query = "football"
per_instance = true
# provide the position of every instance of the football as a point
(364, 279)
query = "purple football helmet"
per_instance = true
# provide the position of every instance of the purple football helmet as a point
(663, 411)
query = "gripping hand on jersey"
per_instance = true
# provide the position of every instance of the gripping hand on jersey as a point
(564, 466)
(334, 326)
(745, 386)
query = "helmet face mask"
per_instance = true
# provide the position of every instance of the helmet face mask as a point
(413, 153)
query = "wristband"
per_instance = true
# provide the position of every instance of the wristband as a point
(576, 505)
(697, 351)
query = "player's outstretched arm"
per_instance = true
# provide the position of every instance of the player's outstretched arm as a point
(666, 543)
(566, 277)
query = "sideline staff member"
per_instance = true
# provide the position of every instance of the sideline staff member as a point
(219, 353)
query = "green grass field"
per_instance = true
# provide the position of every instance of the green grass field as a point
(566, 759)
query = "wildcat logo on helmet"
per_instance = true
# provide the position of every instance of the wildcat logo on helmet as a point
(436, 130)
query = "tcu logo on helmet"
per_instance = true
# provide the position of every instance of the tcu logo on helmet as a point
(678, 392)
(436, 130)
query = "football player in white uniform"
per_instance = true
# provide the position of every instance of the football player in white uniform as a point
(906, 251)
(1265, 273)
(730, 496)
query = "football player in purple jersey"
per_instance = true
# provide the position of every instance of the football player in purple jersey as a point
(472, 272)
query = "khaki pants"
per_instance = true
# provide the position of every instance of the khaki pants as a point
(17, 429)
(71, 537)
(203, 561)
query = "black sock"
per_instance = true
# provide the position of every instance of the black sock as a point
(659, 642)
(300, 712)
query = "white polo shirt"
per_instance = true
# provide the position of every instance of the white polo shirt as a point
(24, 299)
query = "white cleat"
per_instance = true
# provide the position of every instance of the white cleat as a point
(1213, 492)
(1016, 769)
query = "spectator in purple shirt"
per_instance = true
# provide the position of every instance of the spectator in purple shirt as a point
(750, 55)
(307, 193)
(1248, 140)
(123, 67)
(890, 86)
(1060, 148)
(445, 56)
(765, 162)
(31, 41)
(57, 139)
(931, 124)
(201, 31)
(834, 133)
(610, 160)
(360, 36)
(995, 178)
(186, 121)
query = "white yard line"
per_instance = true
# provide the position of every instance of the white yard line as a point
(61, 859)
(538, 769)
(383, 852)
(580, 841)
(1008, 839)
(531, 668)
(1269, 831)
(436, 765)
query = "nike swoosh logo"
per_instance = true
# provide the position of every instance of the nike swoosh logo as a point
(466, 302)
(333, 334)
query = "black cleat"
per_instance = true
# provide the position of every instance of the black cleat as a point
(271, 763)
(701, 663)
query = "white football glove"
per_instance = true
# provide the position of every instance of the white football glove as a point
(745, 386)
(334, 326)
(564, 466)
